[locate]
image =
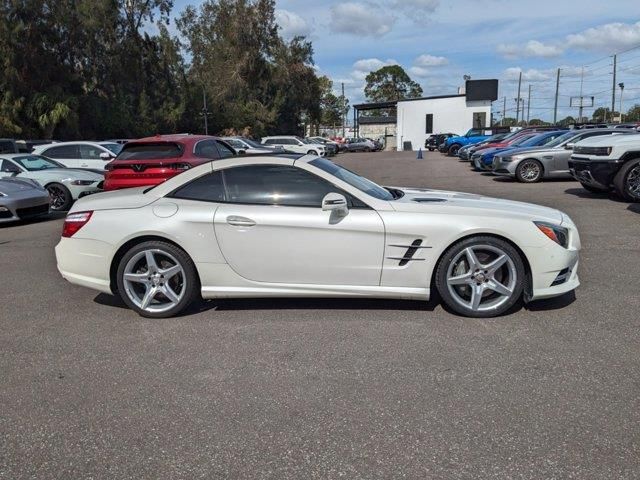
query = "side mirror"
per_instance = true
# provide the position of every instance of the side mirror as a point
(569, 146)
(335, 202)
(106, 156)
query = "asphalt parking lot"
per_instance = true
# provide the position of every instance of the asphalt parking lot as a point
(329, 388)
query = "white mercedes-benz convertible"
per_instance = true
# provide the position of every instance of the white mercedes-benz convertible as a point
(302, 226)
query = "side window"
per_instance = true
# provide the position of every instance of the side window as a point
(275, 185)
(8, 167)
(64, 151)
(208, 188)
(7, 146)
(89, 152)
(206, 149)
(225, 151)
(429, 125)
(269, 141)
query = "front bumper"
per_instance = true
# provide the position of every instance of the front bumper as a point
(23, 207)
(593, 172)
(500, 167)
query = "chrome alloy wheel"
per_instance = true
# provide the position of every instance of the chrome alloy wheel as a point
(633, 182)
(482, 278)
(154, 280)
(530, 171)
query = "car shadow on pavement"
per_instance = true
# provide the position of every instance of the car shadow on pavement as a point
(634, 207)
(289, 304)
(582, 193)
(555, 303)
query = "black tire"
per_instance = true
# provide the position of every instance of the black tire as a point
(627, 181)
(60, 195)
(592, 189)
(312, 152)
(516, 266)
(431, 149)
(453, 150)
(529, 170)
(366, 150)
(191, 280)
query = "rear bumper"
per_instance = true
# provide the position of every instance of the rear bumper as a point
(133, 181)
(596, 173)
(85, 262)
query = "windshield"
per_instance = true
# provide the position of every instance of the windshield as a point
(234, 142)
(113, 147)
(252, 143)
(561, 139)
(361, 183)
(539, 140)
(33, 163)
(521, 140)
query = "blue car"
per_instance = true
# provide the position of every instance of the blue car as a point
(483, 160)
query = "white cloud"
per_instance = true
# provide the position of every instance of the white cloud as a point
(418, 72)
(531, 75)
(363, 67)
(360, 19)
(532, 48)
(430, 61)
(608, 37)
(416, 6)
(292, 24)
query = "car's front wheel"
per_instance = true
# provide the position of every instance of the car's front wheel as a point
(627, 181)
(157, 279)
(529, 171)
(481, 277)
(60, 196)
(453, 150)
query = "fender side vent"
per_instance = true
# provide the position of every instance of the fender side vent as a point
(411, 251)
(429, 200)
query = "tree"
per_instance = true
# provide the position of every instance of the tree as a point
(633, 115)
(391, 83)
(565, 122)
(508, 122)
(333, 107)
(536, 122)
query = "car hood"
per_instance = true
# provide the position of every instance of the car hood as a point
(115, 200)
(616, 140)
(417, 199)
(16, 185)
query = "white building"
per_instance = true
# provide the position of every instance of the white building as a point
(418, 118)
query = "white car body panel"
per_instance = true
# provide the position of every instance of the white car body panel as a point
(299, 147)
(78, 161)
(300, 251)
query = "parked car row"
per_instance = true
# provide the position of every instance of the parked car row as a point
(601, 158)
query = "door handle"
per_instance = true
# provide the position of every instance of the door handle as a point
(240, 221)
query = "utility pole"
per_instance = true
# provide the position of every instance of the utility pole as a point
(528, 104)
(555, 105)
(621, 85)
(518, 99)
(504, 110)
(205, 112)
(344, 112)
(581, 83)
(613, 89)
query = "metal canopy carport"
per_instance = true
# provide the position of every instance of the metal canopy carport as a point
(368, 107)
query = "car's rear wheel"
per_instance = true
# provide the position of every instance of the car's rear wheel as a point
(627, 181)
(453, 149)
(592, 189)
(481, 277)
(60, 195)
(157, 279)
(529, 171)
(312, 152)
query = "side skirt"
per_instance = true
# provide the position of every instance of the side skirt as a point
(319, 291)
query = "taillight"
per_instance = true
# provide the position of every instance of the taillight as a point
(74, 222)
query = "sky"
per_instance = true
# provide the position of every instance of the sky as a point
(439, 41)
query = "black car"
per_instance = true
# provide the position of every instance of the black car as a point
(434, 141)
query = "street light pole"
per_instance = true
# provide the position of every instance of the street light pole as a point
(621, 85)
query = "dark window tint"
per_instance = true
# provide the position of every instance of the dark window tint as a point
(150, 151)
(63, 151)
(7, 146)
(8, 167)
(206, 149)
(269, 141)
(429, 128)
(275, 185)
(208, 188)
(89, 152)
(225, 150)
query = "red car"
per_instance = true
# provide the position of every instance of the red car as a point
(150, 161)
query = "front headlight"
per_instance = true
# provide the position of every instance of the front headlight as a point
(558, 234)
(82, 182)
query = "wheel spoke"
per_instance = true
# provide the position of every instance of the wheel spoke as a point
(169, 293)
(148, 297)
(476, 296)
(474, 263)
(496, 264)
(464, 279)
(499, 288)
(151, 261)
(137, 277)
(170, 272)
